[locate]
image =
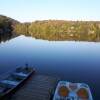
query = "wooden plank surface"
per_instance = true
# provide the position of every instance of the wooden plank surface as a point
(39, 87)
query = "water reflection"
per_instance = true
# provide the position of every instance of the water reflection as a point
(5, 37)
(73, 61)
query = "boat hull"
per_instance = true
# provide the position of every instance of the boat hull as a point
(7, 95)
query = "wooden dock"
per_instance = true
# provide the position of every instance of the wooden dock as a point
(39, 87)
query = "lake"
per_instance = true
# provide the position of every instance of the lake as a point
(73, 61)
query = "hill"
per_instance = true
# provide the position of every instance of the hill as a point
(7, 24)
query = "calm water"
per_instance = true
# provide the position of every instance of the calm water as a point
(72, 61)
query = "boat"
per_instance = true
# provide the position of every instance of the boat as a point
(14, 81)
(72, 91)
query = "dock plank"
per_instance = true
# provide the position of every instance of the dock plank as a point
(39, 87)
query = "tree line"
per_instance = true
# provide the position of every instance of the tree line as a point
(53, 29)
(61, 30)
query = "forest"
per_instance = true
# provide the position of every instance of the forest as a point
(61, 30)
(6, 24)
(53, 29)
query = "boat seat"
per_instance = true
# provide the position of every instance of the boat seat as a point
(9, 83)
(20, 74)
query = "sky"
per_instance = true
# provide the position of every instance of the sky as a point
(31, 10)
